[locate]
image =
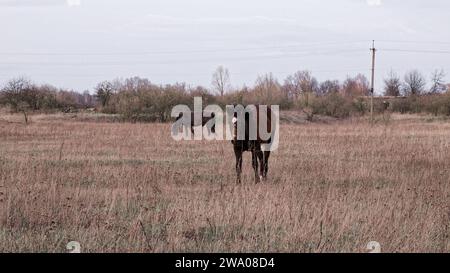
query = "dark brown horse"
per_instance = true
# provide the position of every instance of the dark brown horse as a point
(253, 146)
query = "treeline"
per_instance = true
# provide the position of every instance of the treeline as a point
(22, 95)
(138, 99)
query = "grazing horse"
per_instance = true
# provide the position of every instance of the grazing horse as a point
(204, 121)
(253, 146)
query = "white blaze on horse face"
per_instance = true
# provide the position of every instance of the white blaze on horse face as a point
(234, 121)
(238, 114)
(229, 126)
(239, 120)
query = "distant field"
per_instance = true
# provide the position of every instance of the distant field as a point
(120, 187)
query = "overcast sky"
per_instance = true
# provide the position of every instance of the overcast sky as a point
(77, 43)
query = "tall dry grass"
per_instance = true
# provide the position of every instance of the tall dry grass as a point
(118, 187)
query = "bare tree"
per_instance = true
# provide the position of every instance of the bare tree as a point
(87, 99)
(221, 80)
(292, 86)
(16, 94)
(104, 91)
(300, 82)
(13, 91)
(356, 86)
(267, 84)
(438, 84)
(133, 84)
(414, 83)
(267, 90)
(329, 86)
(363, 84)
(392, 85)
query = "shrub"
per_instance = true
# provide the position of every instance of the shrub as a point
(333, 104)
(360, 106)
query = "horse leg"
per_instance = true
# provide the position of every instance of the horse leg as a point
(261, 162)
(238, 154)
(266, 163)
(255, 166)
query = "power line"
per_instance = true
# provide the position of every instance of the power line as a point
(313, 70)
(416, 51)
(310, 46)
(251, 58)
(314, 44)
(415, 42)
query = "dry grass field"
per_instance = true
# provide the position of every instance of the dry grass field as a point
(122, 187)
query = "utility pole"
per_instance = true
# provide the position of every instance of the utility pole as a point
(372, 86)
